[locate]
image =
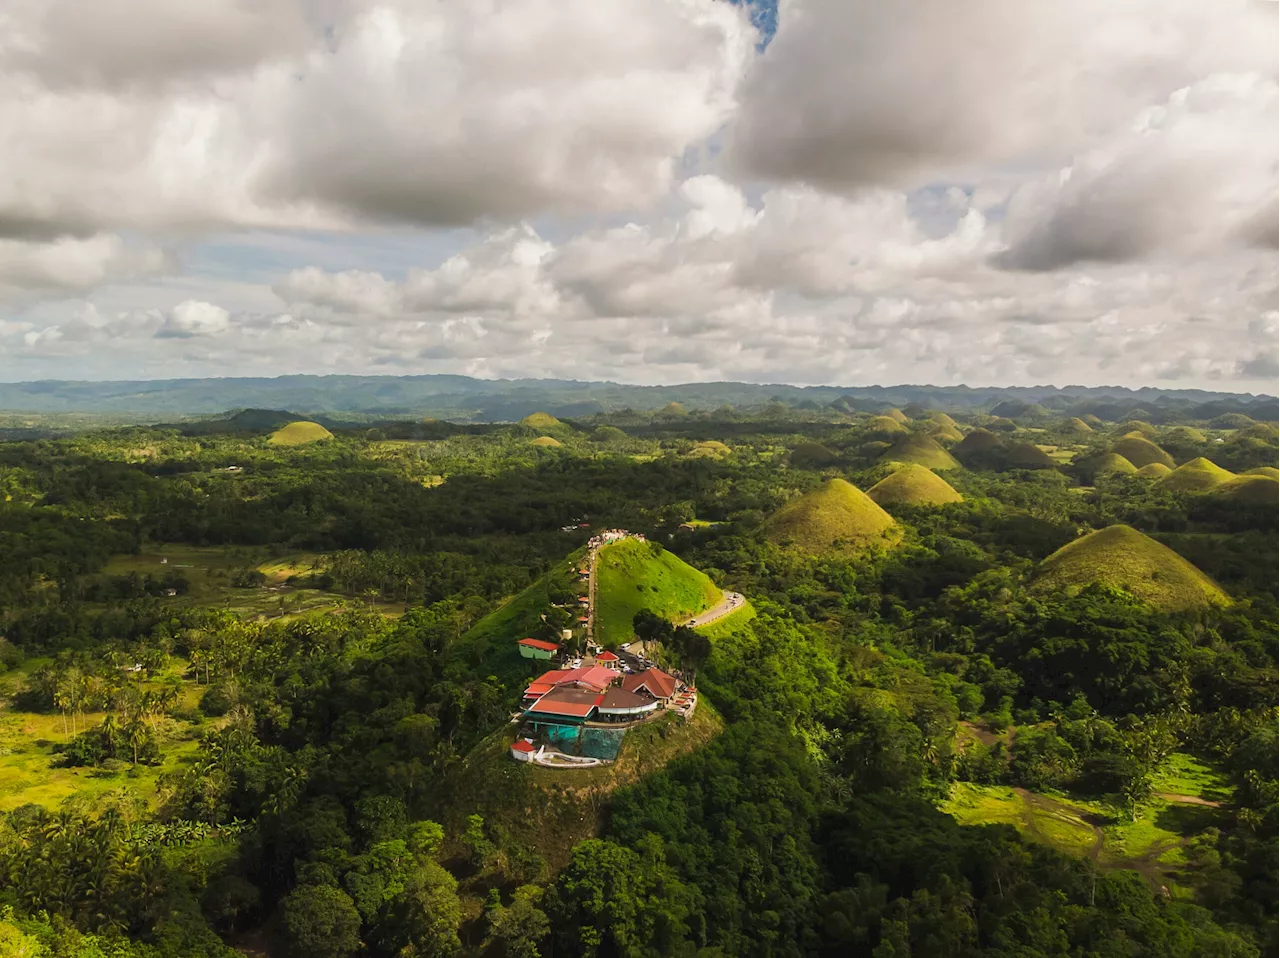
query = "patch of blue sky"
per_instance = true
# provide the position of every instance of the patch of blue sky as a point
(764, 17)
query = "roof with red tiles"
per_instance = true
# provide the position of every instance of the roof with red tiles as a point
(539, 644)
(606, 656)
(577, 703)
(520, 745)
(654, 681)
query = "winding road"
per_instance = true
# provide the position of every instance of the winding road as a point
(731, 602)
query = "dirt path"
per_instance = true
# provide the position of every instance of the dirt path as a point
(731, 602)
(1188, 799)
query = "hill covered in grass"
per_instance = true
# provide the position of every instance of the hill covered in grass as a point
(913, 485)
(1124, 558)
(1153, 470)
(1198, 475)
(944, 433)
(299, 434)
(1023, 455)
(1254, 489)
(920, 450)
(542, 421)
(812, 455)
(979, 442)
(633, 575)
(1105, 464)
(547, 442)
(1271, 471)
(1141, 452)
(711, 449)
(885, 425)
(837, 515)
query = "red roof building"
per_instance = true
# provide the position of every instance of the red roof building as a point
(593, 678)
(617, 705)
(575, 705)
(522, 751)
(539, 644)
(654, 681)
(607, 659)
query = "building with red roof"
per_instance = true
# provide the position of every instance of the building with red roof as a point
(537, 649)
(593, 678)
(618, 705)
(655, 682)
(564, 705)
(522, 751)
(607, 659)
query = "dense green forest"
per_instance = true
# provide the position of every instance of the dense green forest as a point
(254, 694)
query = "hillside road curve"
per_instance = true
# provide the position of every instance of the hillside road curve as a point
(731, 602)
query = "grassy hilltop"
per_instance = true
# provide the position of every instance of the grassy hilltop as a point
(1123, 557)
(837, 515)
(633, 575)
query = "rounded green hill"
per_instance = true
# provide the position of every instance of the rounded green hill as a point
(1261, 430)
(541, 421)
(898, 416)
(977, 442)
(1141, 452)
(1144, 429)
(943, 419)
(1124, 558)
(673, 410)
(711, 449)
(812, 455)
(913, 485)
(547, 442)
(1091, 420)
(1023, 455)
(921, 450)
(1105, 464)
(632, 575)
(1198, 475)
(946, 434)
(1271, 471)
(837, 515)
(885, 425)
(1154, 470)
(1253, 490)
(1078, 425)
(299, 434)
(1231, 420)
(1183, 434)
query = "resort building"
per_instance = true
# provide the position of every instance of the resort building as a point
(591, 678)
(522, 750)
(655, 682)
(607, 659)
(617, 705)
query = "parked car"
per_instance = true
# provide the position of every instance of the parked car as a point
(625, 645)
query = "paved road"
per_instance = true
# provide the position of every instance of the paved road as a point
(731, 602)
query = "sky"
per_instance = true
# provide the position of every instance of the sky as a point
(992, 192)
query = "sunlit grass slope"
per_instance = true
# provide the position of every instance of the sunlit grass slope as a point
(299, 433)
(913, 485)
(837, 515)
(633, 575)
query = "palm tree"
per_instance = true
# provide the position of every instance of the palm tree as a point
(135, 734)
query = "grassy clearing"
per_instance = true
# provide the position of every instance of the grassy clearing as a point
(208, 570)
(1184, 774)
(632, 575)
(730, 623)
(1061, 823)
(27, 757)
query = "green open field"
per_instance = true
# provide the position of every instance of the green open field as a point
(27, 758)
(1153, 843)
(208, 570)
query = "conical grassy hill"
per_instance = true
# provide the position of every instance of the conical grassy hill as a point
(1271, 471)
(978, 442)
(1153, 470)
(898, 416)
(1254, 490)
(1124, 558)
(945, 434)
(1023, 455)
(1141, 452)
(299, 434)
(812, 455)
(1144, 429)
(920, 450)
(541, 421)
(1198, 475)
(547, 442)
(837, 515)
(1103, 464)
(885, 425)
(913, 485)
(632, 575)
(1078, 425)
(943, 419)
(1261, 430)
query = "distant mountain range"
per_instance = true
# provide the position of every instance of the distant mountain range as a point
(462, 399)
